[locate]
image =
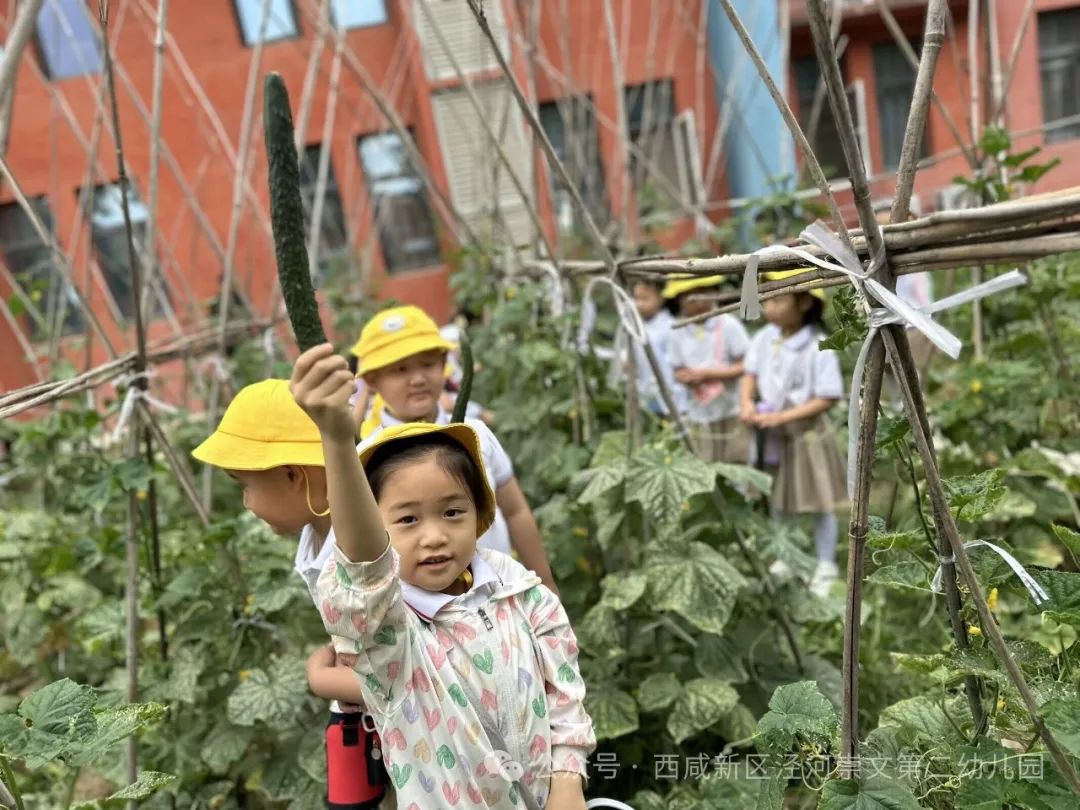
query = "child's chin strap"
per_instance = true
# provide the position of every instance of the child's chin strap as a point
(307, 496)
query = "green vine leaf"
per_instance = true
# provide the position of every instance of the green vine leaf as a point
(702, 703)
(797, 710)
(870, 794)
(973, 496)
(274, 697)
(658, 691)
(663, 482)
(614, 712)
(623, 589)
(695, 581)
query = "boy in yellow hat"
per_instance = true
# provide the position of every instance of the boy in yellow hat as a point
(707, 358)
(402, 357)
(272, 448)
(790, 385)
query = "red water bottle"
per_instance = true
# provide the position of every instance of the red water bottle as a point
(355, 775)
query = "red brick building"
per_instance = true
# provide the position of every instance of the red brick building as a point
(379, 218)
(1042, 102)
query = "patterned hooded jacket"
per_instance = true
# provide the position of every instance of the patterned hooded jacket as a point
(503, 650)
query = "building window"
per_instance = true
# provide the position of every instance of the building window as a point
(333, 236)
(823, 134)
(109, 237)
(570, 125)
(280, 22)
(402, 215)
(894, 79)
(654, 167)
(1059, 69)
(358, 13)
(30, 260)
(67, 39)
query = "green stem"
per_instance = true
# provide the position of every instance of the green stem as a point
(9, 780)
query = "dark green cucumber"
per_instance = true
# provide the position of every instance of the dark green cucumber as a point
(287, 215)
(465, 391)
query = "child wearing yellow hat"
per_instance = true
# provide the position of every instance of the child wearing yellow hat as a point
(273, 449)
(466, 661)
(789, 386)
(402, 357)
(707, 359)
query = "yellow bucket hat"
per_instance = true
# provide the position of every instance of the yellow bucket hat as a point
(395, 334)
(262, 428)
(780, 275)
(459, 432)
(679, 285)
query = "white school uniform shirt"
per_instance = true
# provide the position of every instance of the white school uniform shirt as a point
(791, 371)
(497, 465)
(916, 289)
(718, 342)
(659, 331)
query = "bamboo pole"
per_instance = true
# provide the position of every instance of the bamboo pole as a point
(322, 174)
(238, 198)
(899, 351)
(137, 434)
(307, 92)
(16, 329)
(973, 68)
(61, 262)
(909, 53)
(19, 35)
(789, 118)
(198, 342)
(1014, 57)
(996, 104)
(150, 248)
(621, 158)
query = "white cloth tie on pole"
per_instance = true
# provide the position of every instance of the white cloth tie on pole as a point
(1038, 594)
(135, 393)
(893, 309)
(625, 308)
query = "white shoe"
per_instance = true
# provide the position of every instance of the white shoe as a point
(781, 570)
(825, 575)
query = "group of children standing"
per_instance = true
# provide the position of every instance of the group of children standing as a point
(453, 669)
(758, 400)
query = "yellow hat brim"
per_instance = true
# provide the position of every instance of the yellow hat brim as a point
(678, 286)
(459, 432)
(780, 275)
(230, 452)
(398, 351)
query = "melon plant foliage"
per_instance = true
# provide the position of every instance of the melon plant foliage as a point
(706, 688)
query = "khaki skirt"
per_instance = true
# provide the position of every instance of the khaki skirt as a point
(726, 440)
(811, 477)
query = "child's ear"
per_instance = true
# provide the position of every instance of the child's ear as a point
(806, 301)
(294, 474)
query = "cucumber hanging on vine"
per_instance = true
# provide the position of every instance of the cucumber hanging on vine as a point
(461, 404)
(287, 215)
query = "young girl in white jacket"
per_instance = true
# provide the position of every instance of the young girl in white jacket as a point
(465, 660)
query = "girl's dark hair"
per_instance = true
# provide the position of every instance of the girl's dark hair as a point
(815, 316)
(655, 283)
(452, 458)
(354, 364)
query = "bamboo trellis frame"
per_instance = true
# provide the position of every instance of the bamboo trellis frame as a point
(996, 233)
